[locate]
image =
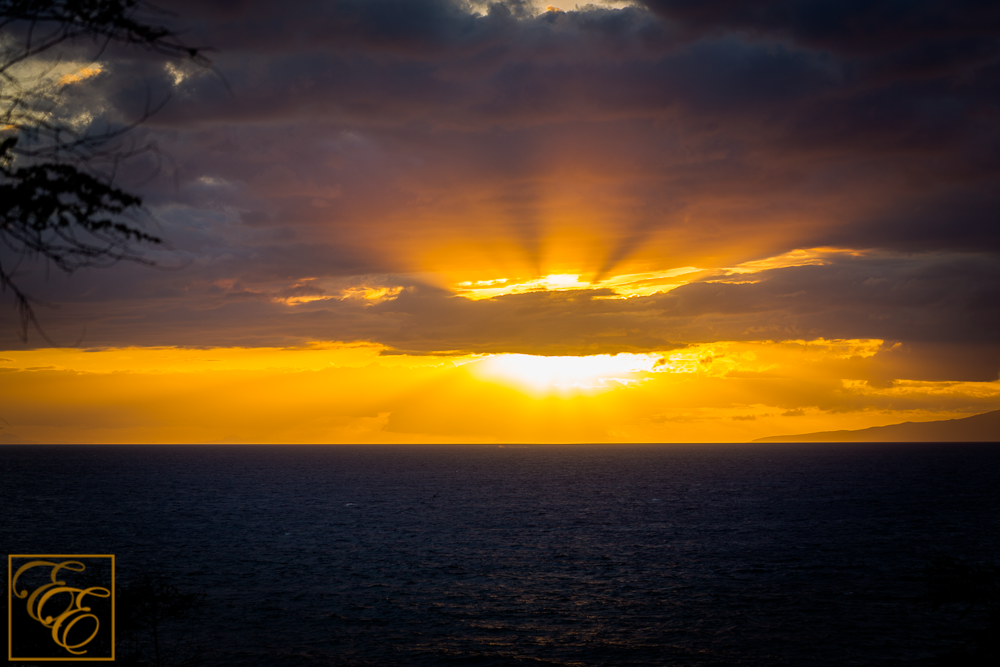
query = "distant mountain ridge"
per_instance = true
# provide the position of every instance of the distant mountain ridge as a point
(979, 428)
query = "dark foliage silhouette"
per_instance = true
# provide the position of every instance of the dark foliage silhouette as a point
(58, 201)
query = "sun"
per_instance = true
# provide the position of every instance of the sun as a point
(538, 374)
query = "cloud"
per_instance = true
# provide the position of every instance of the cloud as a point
(938, 307)
(403, 148)
(851, 27)
(337, 393)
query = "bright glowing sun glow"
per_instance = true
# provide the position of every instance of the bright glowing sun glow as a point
(540, 374)
(624, 286)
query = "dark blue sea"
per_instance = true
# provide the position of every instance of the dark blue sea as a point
(678, 555)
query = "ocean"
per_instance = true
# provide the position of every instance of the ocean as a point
(743, 554)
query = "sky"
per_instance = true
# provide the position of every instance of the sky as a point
(447, 221)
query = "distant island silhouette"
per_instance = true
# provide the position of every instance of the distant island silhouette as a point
(980, 428)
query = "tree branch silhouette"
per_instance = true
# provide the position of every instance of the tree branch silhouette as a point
(58, 200)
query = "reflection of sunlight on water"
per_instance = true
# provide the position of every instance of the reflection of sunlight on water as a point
(540, 373)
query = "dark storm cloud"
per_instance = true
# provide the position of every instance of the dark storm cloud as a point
(783, 77)
(433, 60)
(425, 29)
(939, 308)
(545, 73)
(930, 299)
(810, 103)
(845, 26)
(945, 303)
(361, 132)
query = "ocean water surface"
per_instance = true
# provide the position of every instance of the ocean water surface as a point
(525, 555)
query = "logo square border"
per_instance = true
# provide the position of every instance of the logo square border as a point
(10, 607)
